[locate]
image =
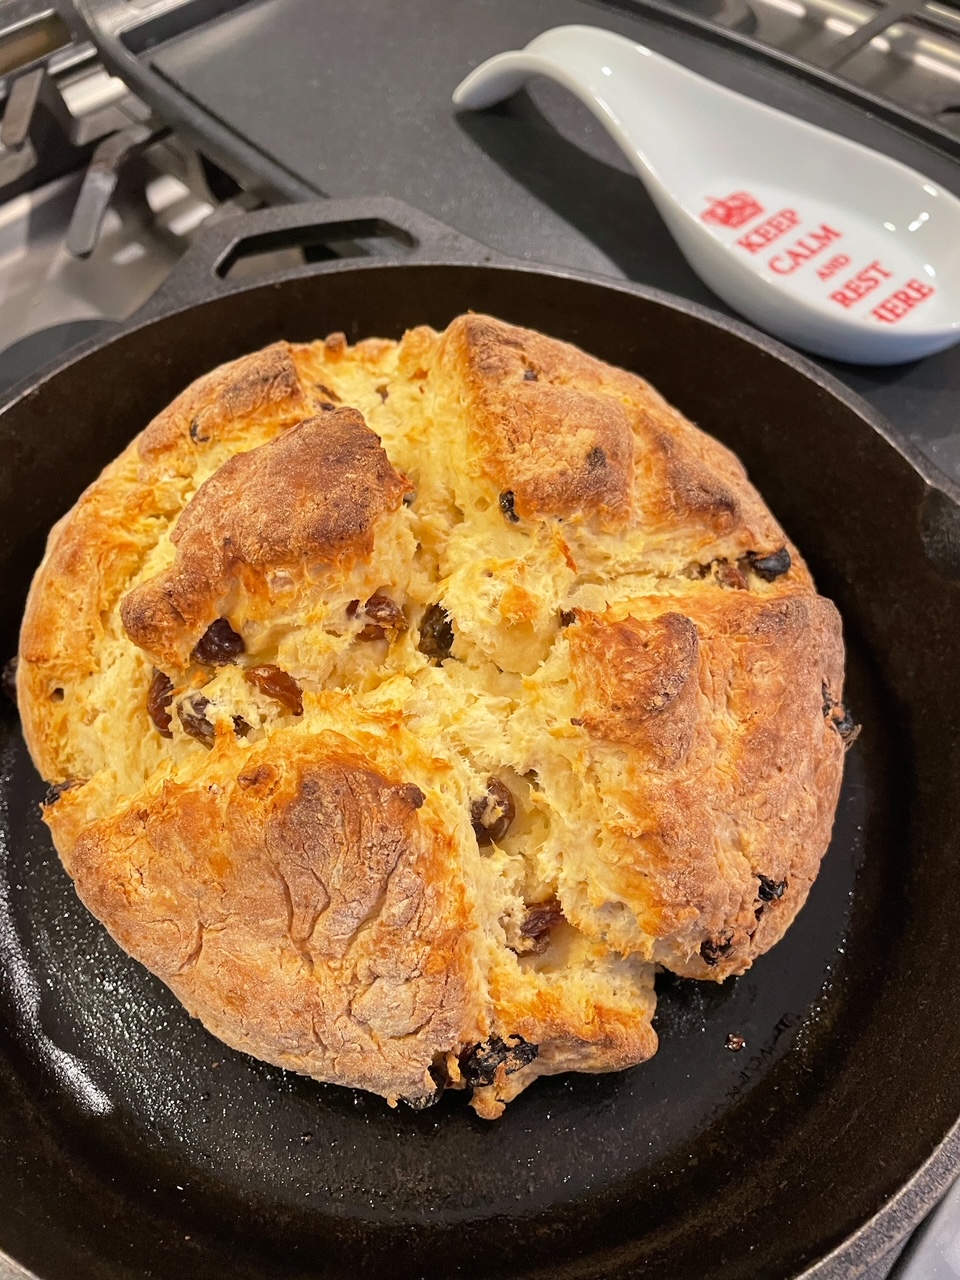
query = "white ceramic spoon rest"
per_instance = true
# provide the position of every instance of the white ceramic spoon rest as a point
(827, 244)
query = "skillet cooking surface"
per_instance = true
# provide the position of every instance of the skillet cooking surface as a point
(133, 1143)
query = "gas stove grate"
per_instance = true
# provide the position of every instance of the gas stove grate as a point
(900, 60)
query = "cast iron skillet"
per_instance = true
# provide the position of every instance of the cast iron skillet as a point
(134, 1144)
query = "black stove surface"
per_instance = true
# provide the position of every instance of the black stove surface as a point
(353, 97)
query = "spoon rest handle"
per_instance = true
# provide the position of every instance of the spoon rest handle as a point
(576, 58)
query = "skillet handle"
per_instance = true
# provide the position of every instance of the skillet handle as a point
(374, 227)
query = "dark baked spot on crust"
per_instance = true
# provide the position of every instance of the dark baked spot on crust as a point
(596, 458)
(482, 1063)
(335, 481)
(827, 700)
(261, 777)
(196, 433)
(412, 795)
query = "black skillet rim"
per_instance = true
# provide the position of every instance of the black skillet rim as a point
(198, 279)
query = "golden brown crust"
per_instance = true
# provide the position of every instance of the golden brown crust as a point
(638, 682)
(568, 434)
(558, 448)
(303, 501)
(298, 908)
(566, 710)
(728, 828)
(219, 406)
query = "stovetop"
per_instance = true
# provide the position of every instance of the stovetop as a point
(537, 177)
(903, 55)
(352, 97)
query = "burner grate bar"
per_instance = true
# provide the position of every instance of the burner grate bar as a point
(892, 12)
(900, 61)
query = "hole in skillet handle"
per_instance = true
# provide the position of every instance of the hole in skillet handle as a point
(344, 239)
(267, 241)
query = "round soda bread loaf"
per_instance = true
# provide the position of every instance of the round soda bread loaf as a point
(407, 705)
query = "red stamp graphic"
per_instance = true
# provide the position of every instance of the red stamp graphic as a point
(733, 211)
